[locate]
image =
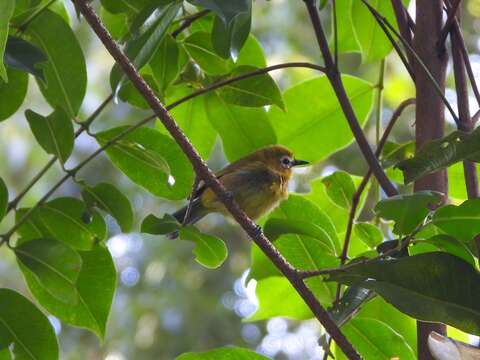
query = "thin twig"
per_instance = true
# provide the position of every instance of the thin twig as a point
(188, 21)
(204, 173)
(337, 85)
(448, 25)
(401, 14)
(190, 200)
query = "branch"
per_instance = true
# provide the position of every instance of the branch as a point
(204, 173)
(448, 25)
(335, 32)
(336, 82)
(188, 21)
(401, 14)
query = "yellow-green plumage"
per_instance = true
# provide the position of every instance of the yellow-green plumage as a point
(258, 182)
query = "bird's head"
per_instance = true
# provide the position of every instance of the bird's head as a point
(279, 159)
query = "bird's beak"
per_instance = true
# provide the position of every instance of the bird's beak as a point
(299, 162)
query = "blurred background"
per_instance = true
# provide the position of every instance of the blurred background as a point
(166, 303)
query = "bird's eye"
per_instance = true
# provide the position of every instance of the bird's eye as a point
(286, 161)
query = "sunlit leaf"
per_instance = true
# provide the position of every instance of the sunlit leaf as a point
(368, 233)
(233, 353)
(424, 286)
(23, 325)
(209, 250)
(54, 264)
(6, 12)
(340, 188)
(252, 54)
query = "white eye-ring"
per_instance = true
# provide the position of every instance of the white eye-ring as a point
(286, 161)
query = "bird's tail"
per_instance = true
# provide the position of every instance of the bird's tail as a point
(197, 212)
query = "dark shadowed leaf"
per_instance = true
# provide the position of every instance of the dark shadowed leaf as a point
(3, 199)
(228, 39)
(340, 188)
(376, 340)
(54, 264)
(256, 91)
(209, 250)
(96, 286)
(309, 122)
(346, 38)
(156, 226)
(54, 132)
(23, 325)
(226, 10)
(349, 303)
(6, 12)
(233, 353)
(24, 56)
(242, 130)
(108, 198)
(408, 211)
(124, 6)
(461, 222)
(65, 69)
(424, 286)
(151, 160)
(368, 233)
(12, 94)
(63, 219)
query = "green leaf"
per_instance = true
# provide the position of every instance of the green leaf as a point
(340, 188)
(54, 132)
(6, 12)
(146, 157)
(346, 37)
(256, 91)
(376, 340)
(424, 286)
(116, 24)
(444, 243)
(210, 251)
(108, 198)
(461, 222)
(199, 47)
(124, 6)
(228, 39)
(96, 287)
(373, 41)
(23, 325)
(3, 199)
(63, 219)
(349, 303)
(24, 56)
(55, 265)
(156, 226)
(242, 130)
(309, 122)
(233, 353)
(269, 291)
(226, 10)
(127, 92)
(192, 118)
(12, 94)
(142, 48)
(368, 233)
(65, 71)
(251, 54)
(165, 63)
(408, 211)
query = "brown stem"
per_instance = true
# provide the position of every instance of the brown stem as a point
(430, 113)
(204, 173)
(448, 25)
(337, 85)
(401, 15)
(188, 21)
(190, 200)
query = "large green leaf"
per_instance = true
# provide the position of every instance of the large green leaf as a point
(96, 286)
(22, 55)
(209, 250)
(107, 197)
(408, 211)
(63, 219)
(256, 91)
(54, 264)
(156, 226)
(164, 63)
(368, 233)
(116, 24)
(346, 37)
(65, 70)
(252, 54)
(461, 222)
(54, 132)
(424, 286)
(151, 160)
(233, 353)
(6, 12)
(12, 94)
(226, 10)
(242, 130)
(199, 47)
(3, 199)
(373, 41)
(376, 340)
(23, 325)
(309, 121)
(142, 48)
(340, 188)
(191, 116)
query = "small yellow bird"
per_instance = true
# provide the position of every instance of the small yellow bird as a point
(258, 182)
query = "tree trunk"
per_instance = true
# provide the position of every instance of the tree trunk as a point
(429, 117)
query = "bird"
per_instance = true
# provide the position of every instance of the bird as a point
(257, 182)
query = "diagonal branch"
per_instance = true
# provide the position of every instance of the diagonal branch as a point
(448, 24)
(402, 17)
